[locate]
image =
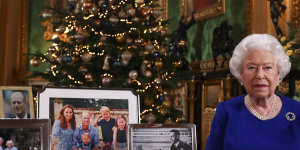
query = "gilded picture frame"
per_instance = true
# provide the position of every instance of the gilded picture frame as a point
(21, 95)
(212, 94)
(203, 9)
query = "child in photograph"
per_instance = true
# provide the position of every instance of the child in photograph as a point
(120, 134)
(107, 124)
(85, 137)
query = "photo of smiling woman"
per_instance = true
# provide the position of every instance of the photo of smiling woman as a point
(63, 129)
(260, 119)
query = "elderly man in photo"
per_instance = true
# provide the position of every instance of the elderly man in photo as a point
(18, 106)
(86, 137)
(177, 144)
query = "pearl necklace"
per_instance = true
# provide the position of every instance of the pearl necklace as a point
(269, 115)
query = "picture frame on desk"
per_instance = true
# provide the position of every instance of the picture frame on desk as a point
(16, 102)
(161, 136)
(26, 133)
(203, 9)
(212, 94)
(119, 103)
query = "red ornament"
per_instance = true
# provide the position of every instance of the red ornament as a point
(87, 5)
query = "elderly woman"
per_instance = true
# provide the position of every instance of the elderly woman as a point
(10, 145)
(259, 120)
(63, 129)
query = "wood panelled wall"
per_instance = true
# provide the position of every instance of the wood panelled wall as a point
(11, 44)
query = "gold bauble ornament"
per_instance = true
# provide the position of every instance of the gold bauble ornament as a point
(52, 49)
(163, 32)
(122, 14)
(59, 59)
(114, 19)
(148, 101)
(163, 51)
(148, 73)
(106, 79)
(133, 74)
(129, 41)
(158, 63)
(149, 46)
(181, 43)
(178, 63)
(87, 5)
(86, 57)
(150, 118)
(34, 62)
(145, 10)
(98, 21)
(82, 69)
(83, 32)
(139, 41)
(167, 102)
(135, 19)
(157, 80)
(120, 38)
(125, 57)
(103, 38)
(88, 77)
(139, 1)
(131, 11)
(60, 29)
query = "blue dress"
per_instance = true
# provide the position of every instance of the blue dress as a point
(235, 128)
(65, 136)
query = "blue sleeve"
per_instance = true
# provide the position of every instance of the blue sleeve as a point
(216, 138)
(56, 130)
(96, 140)
(76, 139)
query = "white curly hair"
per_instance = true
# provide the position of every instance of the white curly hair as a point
(259, 42)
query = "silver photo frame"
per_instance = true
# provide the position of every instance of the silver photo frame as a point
(161, 136)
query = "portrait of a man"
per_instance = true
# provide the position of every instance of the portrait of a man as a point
(177, 143)
(16, 104)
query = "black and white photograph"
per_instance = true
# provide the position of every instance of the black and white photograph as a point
(162, 137)
(16, 102)
(24, 134)
(92, 119)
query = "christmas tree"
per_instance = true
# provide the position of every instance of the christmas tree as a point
(115, 44)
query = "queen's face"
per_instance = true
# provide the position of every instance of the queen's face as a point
(68, 114)
(260, 74)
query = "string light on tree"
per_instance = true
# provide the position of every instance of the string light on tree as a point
(110, 43)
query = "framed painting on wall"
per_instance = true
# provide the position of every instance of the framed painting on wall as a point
(203, 9)
(212, 94)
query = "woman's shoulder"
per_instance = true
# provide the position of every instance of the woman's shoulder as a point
(290, 102)
(232, 104)
(56, 123)
(234, 101)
